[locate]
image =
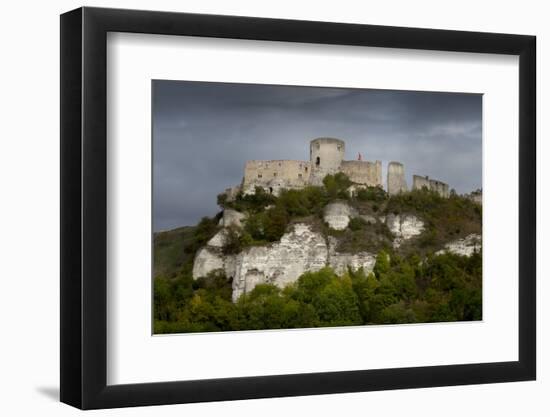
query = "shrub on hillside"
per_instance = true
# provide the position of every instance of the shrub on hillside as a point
(337, 186)
(375, 194)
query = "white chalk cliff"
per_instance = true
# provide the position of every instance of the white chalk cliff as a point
(465, 247)
(403, 227)
(302, 250)
(337, 215)
(280, 263)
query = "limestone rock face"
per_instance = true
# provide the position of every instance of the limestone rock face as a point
(281, 263)
(300, 250)
(337, 215)
(232, 217)
(207, 259)
(218, 240)
(465, 247)
(368, 218)
(403, 227)
(340, 262)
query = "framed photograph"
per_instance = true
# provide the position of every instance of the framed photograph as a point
(258, 208)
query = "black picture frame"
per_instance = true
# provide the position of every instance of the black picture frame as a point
(84, 207)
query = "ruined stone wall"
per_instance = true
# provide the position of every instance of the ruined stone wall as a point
(325, 155)
(476, 196)
(363, 172)
(232, 192)
(420, 182)
(441, 188)
(275, 175)
(396, 178)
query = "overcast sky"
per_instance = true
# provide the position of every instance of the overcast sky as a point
(204, 132)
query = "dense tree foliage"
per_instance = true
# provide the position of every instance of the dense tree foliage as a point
(399, 290)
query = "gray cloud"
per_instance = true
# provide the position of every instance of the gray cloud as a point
(204, 132)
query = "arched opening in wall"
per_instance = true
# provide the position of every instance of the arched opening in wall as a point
(318, 161)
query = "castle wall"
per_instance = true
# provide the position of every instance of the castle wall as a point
(363, 172)
(275, 175)
(232, 192)
(396, 178)
(325, 155)
(476, 196)
(420, 182)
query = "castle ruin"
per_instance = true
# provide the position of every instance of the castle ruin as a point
(326, 156)
(396, 178)
(439, 187)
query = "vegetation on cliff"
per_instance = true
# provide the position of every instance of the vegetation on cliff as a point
(399, 290)
(269, 216)
(409, 284)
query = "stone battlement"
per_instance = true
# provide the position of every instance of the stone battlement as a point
(275, 175)
(440, 187)
(326, 156)
(363, 172)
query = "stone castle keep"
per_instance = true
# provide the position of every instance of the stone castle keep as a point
(326, 156)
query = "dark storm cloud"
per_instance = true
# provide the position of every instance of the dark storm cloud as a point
(204, 132)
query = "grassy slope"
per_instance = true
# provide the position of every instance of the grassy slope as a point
(169, 254)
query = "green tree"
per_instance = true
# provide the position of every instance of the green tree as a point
(398, 313)
(337, 185)
(375, 194)
(382, 265)
(337, 304)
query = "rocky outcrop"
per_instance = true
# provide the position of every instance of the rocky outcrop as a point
(340, 262)
(337, 215)
(368, 218)
(354, 189)
(403, 227)
(211, 258)
(231, 218)
(465, 247)
(208, 259)
(218, 240)
(300, 250)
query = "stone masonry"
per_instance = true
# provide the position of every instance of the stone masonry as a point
(396, 178)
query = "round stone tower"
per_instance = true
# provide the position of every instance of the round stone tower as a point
(396, 178)
(326, 156)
